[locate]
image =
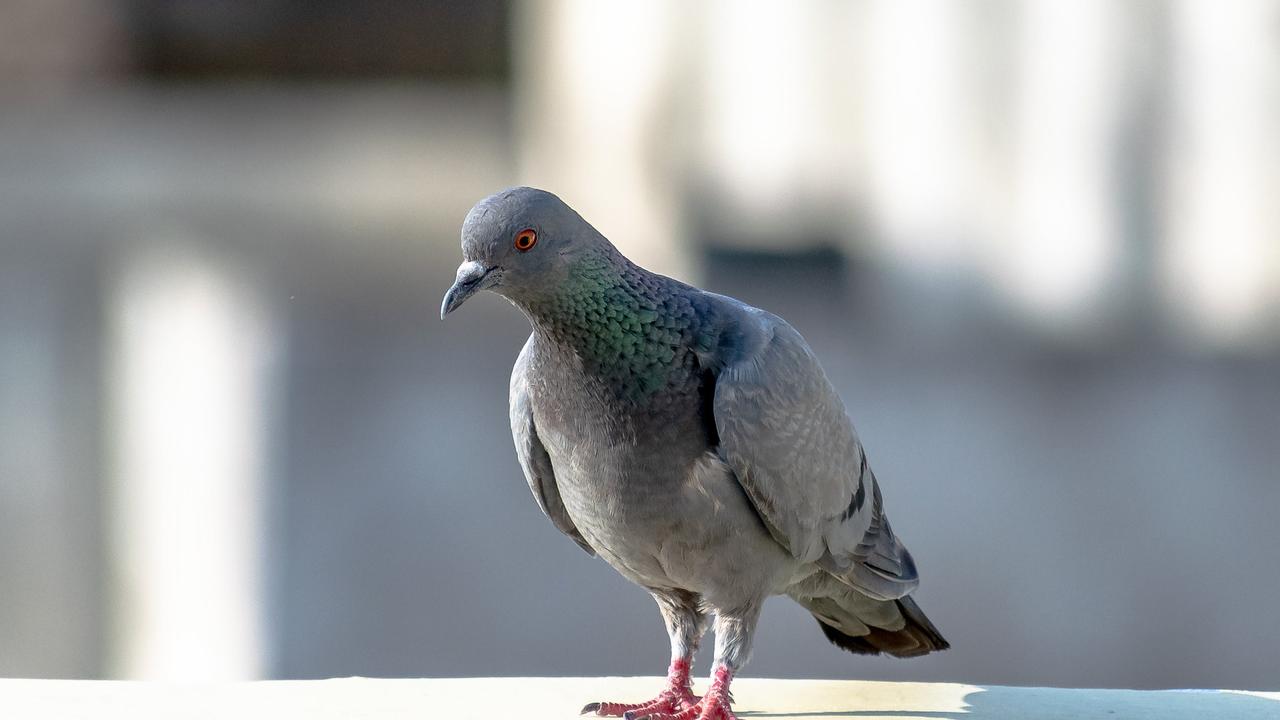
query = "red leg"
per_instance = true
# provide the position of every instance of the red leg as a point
(713, 706)
(677, 697)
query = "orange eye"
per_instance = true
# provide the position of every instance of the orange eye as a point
(526, 239)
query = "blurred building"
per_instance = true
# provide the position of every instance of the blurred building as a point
(1035, 243)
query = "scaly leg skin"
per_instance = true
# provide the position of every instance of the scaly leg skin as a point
(685, 624)
(733, 647)
(712, 706)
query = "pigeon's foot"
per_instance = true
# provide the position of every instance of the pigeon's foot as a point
(677, 698)
(713, 706)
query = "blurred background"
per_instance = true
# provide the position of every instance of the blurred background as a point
(1037, 245)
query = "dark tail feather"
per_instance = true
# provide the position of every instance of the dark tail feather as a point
(918, 637)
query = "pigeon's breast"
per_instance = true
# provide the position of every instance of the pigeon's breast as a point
(645, 488)
(617, 453)
(617, 463)
(596, 416)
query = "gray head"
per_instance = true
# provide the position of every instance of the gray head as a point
(519, 242)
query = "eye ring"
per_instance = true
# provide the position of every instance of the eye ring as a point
(526, 239)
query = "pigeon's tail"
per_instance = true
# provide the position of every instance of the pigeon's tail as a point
(916, 637)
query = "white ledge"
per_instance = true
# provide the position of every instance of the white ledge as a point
(561, 698)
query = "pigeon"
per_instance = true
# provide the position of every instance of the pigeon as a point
(691, 441)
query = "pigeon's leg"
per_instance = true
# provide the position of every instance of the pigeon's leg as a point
(686, 624)
(734, 632)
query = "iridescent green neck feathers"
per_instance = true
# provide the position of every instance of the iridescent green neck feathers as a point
(629, 327)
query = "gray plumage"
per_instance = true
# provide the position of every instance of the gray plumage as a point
(690, 440)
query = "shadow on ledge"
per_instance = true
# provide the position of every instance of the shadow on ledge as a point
(1015, 703)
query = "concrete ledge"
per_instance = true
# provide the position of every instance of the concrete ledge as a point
(561, 698)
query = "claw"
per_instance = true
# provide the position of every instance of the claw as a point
(589, 708)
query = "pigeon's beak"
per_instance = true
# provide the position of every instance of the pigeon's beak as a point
(472, 276)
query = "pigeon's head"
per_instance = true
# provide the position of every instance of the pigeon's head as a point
(518, 243)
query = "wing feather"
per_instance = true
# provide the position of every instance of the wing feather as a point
(533, 457)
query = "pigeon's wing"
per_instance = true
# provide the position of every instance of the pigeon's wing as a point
(533, 456)
(783, 430)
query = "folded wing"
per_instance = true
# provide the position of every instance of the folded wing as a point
(533, 456)
(783, 430)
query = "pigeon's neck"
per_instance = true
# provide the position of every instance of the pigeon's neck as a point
(630, 327)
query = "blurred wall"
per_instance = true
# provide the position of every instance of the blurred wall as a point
(1032, 242)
